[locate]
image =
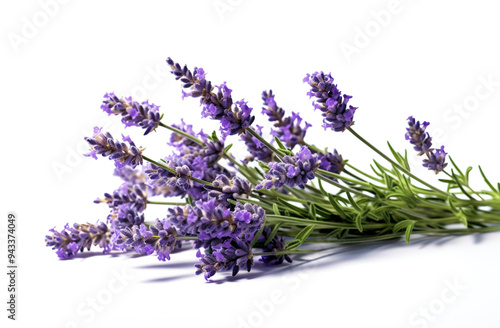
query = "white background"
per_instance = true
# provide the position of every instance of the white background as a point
(425, 58)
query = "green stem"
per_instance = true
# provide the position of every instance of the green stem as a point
(171, 170)
(167, 203)
(187, 135)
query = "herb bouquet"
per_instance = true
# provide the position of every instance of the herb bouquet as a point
(285, 194)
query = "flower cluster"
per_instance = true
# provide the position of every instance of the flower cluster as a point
(133, 113)
(103, 144)
(76, 238)
(292, 171)
(332, 162)
(159, 238)
(289, 129)
(338, 115)
(231, 256)
(422, 142)
(226, 188)
(212, 223)
(224, 233)
(235, 117)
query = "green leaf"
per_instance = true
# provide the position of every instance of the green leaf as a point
(455, 166)
(487, 181)
(409, 230)
(460, 185)
(322, 189)
(312, 211)
(353, 202)
(300, 237)
(228, 147)
(276, 209)
(359, 218)
(273, 233)
(462, 217)
(280, 144)
(257, 235)
(334, 232)
(402, 225)
(337, 207)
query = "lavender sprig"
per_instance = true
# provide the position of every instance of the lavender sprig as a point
(159, 238)
(293, 171)
(72, 239)
(235, 117)
(338, 115)
(103, 144)
(133, 113)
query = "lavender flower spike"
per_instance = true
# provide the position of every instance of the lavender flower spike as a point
(144, 115)
(233, 255)
(123, 154)
(78, 237)
(226, 188)
(289, 130)
(292, 171)
(235, 117)
(415, 132)
(159, 238)
(337, 114)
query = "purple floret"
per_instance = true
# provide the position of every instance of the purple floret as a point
(436, 160)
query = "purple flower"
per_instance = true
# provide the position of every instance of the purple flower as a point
(212, 152)
(276, 244)
(292, 171)
(415, 132)
(337, 114)
(436, 160)
(332, 162)
(217, 105)
(162, 176)
(232, 255)
(103, 144)
(134, 194)
(78, 237)
(256, 148)
(227, 188)
(159, 238)
(214, 224)
(144, 115)
(289, 130)
(126, 215)
(208, 265)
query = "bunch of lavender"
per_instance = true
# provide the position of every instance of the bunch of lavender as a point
(287, 193)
